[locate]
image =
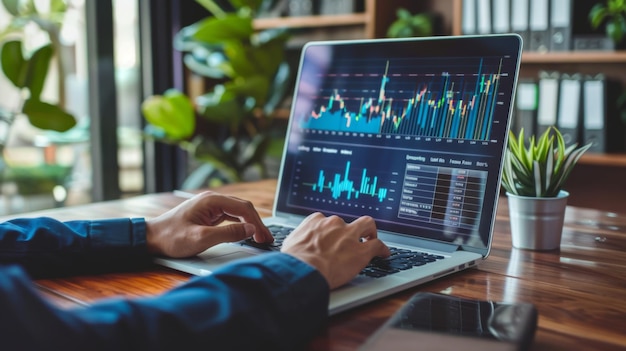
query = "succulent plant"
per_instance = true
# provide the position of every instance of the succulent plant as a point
(540, 168)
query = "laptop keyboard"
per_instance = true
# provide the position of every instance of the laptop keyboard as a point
(279, 233)
(399, 260)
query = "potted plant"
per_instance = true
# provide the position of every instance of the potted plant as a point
(533, 177)
(27, 70)
(229, 129)
(409, 25)
(612, 14)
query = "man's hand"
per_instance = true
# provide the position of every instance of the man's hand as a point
(192, 226)
(337, 249)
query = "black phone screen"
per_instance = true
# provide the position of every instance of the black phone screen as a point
(437, 321)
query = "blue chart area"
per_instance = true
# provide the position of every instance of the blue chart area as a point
(342, 186)
(386, 101)
(342, 182)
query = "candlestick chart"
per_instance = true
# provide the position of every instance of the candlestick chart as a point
(442, 105)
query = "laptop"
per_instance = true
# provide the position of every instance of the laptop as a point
(411, 132)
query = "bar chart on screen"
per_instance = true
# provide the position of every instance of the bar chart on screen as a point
(345, 183)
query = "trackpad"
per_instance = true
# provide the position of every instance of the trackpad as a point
(220, 255)
(208, 261)
(217, 261)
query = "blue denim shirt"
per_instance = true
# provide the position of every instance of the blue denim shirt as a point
(272, 301)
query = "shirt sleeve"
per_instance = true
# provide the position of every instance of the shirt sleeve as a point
(269, 302)
(47, 247)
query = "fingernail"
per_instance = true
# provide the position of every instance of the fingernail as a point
(249, 228)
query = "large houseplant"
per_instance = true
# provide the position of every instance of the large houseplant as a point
(534, 175)
(229, 129)
(27, 70)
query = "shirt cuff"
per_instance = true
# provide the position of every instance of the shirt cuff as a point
(128, 233)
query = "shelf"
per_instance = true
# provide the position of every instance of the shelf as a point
(311, 21)
(592, 57)
(610, 160)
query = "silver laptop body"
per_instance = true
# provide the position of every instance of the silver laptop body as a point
(409, 131)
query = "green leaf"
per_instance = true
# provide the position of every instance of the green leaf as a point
(204, 68)
(227, 28)
(549, 168)
(569, 164)
(538, 185)
(172, 112)
(12, 7)
(212, 7)
(597, 14)
(28, 8)
(37, 70)
(522, 172)
(408, 25)
(47, 116)
(14, 64)
(221, 106)
(542, 168)
(185, 40)
(256, 87)
(268, 49)
(241, 60)
(507, 175)
(247, 61)
(403, 14)
(614, 31)
(252, 4)
(58, 6)
(276, 146)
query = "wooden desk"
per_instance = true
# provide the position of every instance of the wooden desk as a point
(580, 292)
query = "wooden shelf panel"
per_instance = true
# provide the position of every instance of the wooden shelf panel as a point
(593, 57)
(611, 160)
(311, 21)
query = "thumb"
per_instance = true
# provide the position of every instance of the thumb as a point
(232, 232)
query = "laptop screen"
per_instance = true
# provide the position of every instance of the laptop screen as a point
(411, 132)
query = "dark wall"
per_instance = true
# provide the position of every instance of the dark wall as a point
(162, 68)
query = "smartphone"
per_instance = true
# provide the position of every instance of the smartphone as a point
(430, 321)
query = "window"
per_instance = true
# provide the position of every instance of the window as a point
(72, 86)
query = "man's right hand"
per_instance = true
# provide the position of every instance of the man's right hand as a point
(339, 250)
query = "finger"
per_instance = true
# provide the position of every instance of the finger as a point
(369, 233)
(245, 212)
(312, 217)
(264, 236)
(222, 217)
(377, 248)
(229, 233)
(366, 227)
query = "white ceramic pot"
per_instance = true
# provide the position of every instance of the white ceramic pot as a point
(537, 222)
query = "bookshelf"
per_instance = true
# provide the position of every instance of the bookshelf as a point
(370, 21)
(610, 63)
(377, 15)
(594, 57)
(313, 21)
(587, 188)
